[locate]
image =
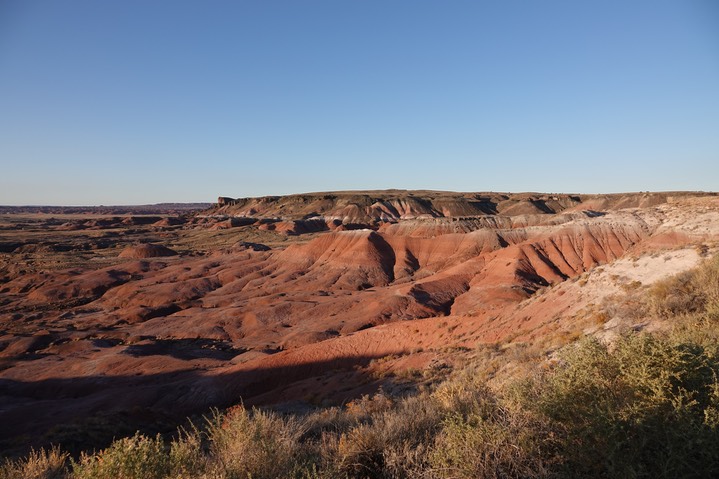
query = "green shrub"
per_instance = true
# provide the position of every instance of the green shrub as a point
(648, 408)
(508, 443)
(137, 457)
(186, 456)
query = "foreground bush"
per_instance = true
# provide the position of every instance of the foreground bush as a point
(136, 457)
(257, 445)
(647, 408)
(391, 442)
(506, 444)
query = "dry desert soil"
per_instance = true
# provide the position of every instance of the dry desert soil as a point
(112, 321)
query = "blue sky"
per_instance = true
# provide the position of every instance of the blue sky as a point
(139, 101)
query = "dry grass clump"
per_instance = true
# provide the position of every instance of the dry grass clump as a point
(255, 444)
(692, 295)
(42, 464)
(694, 291)
(241, 444)
(391, 443)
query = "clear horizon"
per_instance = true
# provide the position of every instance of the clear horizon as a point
(130, 205)
(133, 102)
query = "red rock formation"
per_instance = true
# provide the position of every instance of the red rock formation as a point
(147, 250)
(242, 321)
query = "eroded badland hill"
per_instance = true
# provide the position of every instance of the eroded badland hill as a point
(113, 323)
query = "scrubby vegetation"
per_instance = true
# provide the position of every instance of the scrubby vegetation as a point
(646, 405)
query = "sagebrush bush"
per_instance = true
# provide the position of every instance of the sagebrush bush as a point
(707, 279)
(137, 457)
(675, 296)
(186, 456)
(256, 444)
(508, 443)
(394, 441)
(647, 408)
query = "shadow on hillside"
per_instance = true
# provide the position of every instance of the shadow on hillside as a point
(186, 349)
(86, 413)
(594, 214)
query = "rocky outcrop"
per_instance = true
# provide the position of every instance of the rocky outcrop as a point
(391, 206)
(394, 205)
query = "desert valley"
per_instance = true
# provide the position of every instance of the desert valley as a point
(117, 321)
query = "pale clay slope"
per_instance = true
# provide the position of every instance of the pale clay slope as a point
(674, 230)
